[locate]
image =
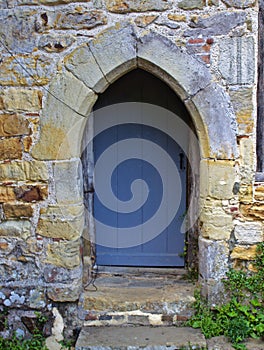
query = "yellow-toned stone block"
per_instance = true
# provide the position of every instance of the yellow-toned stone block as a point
(64, 254)
(259, 193)
(7, 194)
(246, 193)
(247, 148)
(244, 252)
(13, 125)
(15, 211)
(10, 148)
(144, 21)
(18, 99)
(217, 178)
(25, 170)
(253, 211)
(177, 17)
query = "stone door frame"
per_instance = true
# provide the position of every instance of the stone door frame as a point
(88, 71)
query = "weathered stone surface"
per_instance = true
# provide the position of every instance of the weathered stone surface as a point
(55, 43)
(37, 298)
(63, 211)
(69, 230)
(191, 4)
(31, 193)
(120, 44)
(62, 122)
(26, 70)
(68, 182)
(18, 99)
(190, 75)
(248, 232)
(254, 211)
(64, 254)
(13, 125)
(120, 6)
(240, 4)
(20, 229)
(80, 19)
(79, 63)
(177, 17)
(18, 30)
(242, 101)
(10, 148)
(259, 193)
(246, 193)
(247, 149)
(65, 293)
(244, 252)
(219, 24)
(237, 60)
(216, 224)
(25, 170)
(7, 194)
(165, 22)
(144, 21)
(13, 211)
(27, 143)
(213, 259)
(53, 274)
(215, 109)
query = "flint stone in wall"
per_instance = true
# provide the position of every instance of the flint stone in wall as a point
(80, 20)
(249, 232)
(191, 4)
(17, 30)
(26, 70)
(55, 43)
(241, 4)
(20, 229)
(220, 24)
(237, 60)
(120, 6)
(17, 272)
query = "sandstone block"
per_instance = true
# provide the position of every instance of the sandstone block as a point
(10, 148)
(120, 44)
(191, 4)
(253, 211)
(245, 193)
(120, 6)
(177, 17)
(80, 19)
(237, 60)
(54, 274)
(213, 259)
(80, 61)
(69, 230)
(13, 125)
(55, 43)
(65, 293)
(20, 229)
(15, 211)
(249, 232)
(144, 21)
(259, 193)
(242, 101)
(7, 194)
(18, 99)
(62, 123)
(247, 159)
(240, 4)
(31, 193)
(217, 179)
(192, 78)
(64, 254)
(31, 171)
(40, 68)
(219, 24)
(68, 182)
(244, 252)
(220, 120)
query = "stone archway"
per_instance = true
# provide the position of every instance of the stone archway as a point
(88, 71)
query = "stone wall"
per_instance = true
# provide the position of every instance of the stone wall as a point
(56, 56)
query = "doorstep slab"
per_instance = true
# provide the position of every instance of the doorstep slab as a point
(140, 337)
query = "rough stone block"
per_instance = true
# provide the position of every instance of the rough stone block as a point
(245, 193)
(13, 125)
(61, 122)
(10, 148)
(191, 4)
(65, 293)
(237, 60)
(64, 254)
(18, 99)
(120, 44)
(68, 230)
(20, 229)
(247, 159)
(79, 63)
(16, 211)
(213, 259)
(218, 24)
(25, 170)
(244, 252)
(145, 20)
(54, 274)
(242, 101)
(31, 193)
(217, 178)
(55, 42)
(214, 106)
(68, 182)
(7, 194)
(120, 6)
(171, 60)
(36, 70)
(240, 4)
(253, 211)
(80, 19)
(249, 232)
(177, 17)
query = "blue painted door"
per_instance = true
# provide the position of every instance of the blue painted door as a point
(145, 167)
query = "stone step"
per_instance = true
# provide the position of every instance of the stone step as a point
(155, 301)
(140, 337)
